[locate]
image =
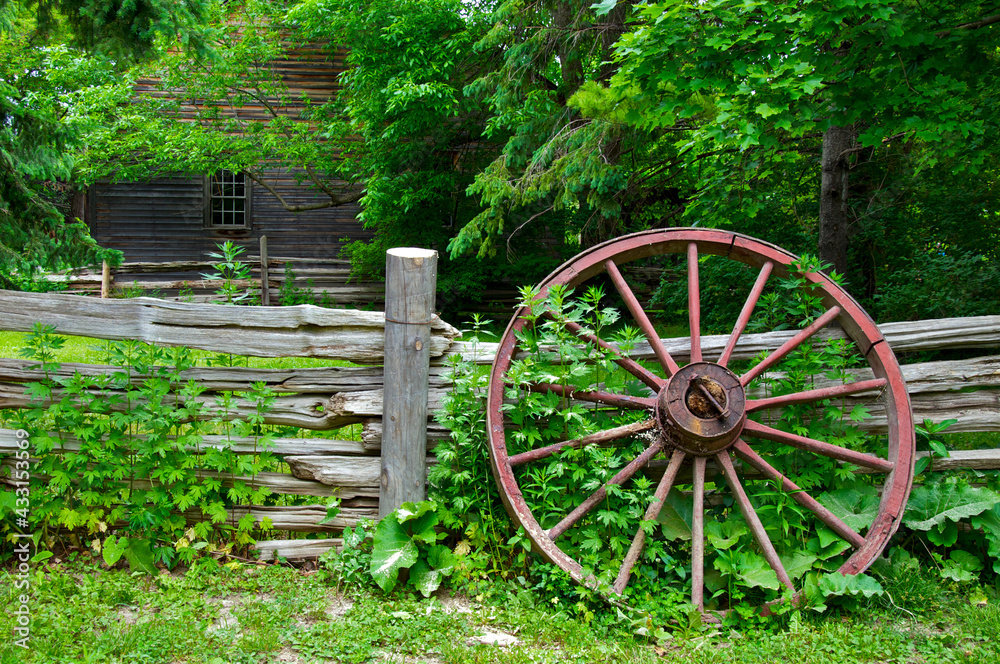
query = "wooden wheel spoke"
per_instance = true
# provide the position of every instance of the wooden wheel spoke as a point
(596, 396)
(641, 318)
(758, 430)
(620, 478)
(652, 513)
(642, 373)
(592, 439)
(801, 497)
(747, 311)
(698, 535)
(815, 395)
(694, 302)
(750, 514)
(790, 345)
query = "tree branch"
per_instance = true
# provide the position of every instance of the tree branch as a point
(334, 198)
(974, 25)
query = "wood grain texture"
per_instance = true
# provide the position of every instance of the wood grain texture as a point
(309, 380)
(280, 483)
(410, 290)
(305, 411)
(297, 549)
(299, 331)
(279, 446)
(906, 336)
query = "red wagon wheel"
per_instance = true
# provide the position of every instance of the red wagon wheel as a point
(695, 415)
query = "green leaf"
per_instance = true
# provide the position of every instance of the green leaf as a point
(331, 513)
(408, 511)
(602, 7)
(749, 569)
(933, 504)
(675, 516)
(113, 549)
(961, 566)
(41, 556)
(724, 534)
(798, 563)
(943, 534)
(855, 507)
(839, 585)
(425, 579)
(140, 556)
(392, 550)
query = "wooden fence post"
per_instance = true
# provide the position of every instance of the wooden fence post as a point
(265, 294)
(410, 282)
(105, 280)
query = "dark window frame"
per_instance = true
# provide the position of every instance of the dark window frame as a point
(226, 192)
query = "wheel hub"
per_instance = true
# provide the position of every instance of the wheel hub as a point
(702, 408)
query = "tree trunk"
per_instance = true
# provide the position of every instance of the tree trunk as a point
(833, 234)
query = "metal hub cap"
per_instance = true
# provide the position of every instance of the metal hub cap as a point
(703, 408)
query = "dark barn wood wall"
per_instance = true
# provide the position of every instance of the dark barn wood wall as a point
(163, 220)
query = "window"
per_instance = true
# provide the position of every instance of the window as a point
(228, 200)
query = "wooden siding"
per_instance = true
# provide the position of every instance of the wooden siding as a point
(163, 220)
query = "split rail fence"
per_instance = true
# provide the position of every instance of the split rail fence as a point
(327, 398)
(327, 279)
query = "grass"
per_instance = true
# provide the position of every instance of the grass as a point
(277, 614)
(88, 351)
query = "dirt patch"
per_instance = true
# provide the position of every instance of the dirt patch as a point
(456, 603)
(226, 619)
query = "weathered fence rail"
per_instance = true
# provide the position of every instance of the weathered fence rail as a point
(185, 279)
(322, 399)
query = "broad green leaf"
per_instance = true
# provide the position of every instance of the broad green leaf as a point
(932, 504)
(408, 511)
(602, 7)
(944, 534)
(675, 516)
(113, 549)
(961, 566)
(425, 579)
(798, 563)
(392, 550)
(749, 569)
(856, 508)
(422, 528)
(837, 584)
(724, 534)
(140, 556)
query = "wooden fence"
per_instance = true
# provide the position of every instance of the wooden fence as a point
(326, 398)
(328, 280)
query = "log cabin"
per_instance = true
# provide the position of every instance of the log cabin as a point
(181, 217)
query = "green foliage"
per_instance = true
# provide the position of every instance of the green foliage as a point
(128, 447)
(406, 539)
(45, 81)
(350, 565)
(230, 269)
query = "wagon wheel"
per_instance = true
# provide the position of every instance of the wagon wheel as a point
(697, 414)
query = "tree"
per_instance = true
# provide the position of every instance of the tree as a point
(563, 141)
(43, 77)
(767, 87)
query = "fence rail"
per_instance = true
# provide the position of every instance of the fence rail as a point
(326, 398)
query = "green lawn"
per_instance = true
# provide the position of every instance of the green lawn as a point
(280, 614)
(88, 351)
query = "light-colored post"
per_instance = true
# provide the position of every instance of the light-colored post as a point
(105, 280)
(410, 282)
(265, 294)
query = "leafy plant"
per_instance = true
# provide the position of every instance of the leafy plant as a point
(231, 270)
(406, 539)
(127, 447)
